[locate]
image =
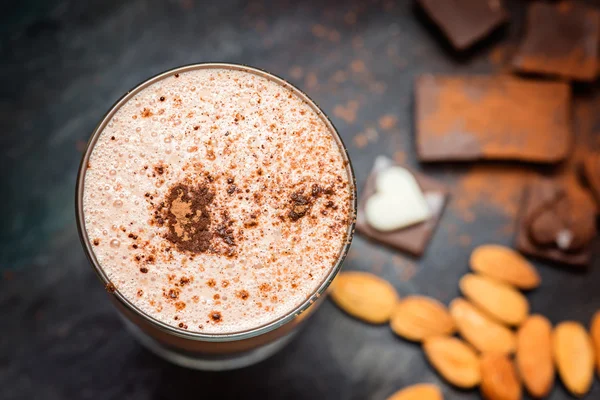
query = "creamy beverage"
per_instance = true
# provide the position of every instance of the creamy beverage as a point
(216, 200)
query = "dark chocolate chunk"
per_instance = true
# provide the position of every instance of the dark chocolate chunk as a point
(461, 118)
(412, 239)
(464, 22)
(591, 171)
(557, 222)
(561, 39)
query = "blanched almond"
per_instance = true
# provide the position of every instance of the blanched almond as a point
(499, 380)
(574, 356)
(422, 391)
(506, 265)
(418, 317)
(534, 355)
(500, 301)
(595, 334)
(480, 330)
(364, 296)
(454, 360)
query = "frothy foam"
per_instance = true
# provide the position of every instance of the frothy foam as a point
(217, 200)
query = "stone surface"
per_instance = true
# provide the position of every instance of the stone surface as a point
(63, 65)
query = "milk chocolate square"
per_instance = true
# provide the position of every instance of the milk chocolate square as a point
(412, 239)
(557, 222)
(591, 172)
(466, 118)
(561, 39)
(464, 22)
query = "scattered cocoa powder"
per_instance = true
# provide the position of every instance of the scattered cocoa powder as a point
(346, 112)
(296, 72)
(405, 268)
(360, 141)
(492, 187)
(387, 122)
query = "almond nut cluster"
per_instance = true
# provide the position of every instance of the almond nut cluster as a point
(501, 347)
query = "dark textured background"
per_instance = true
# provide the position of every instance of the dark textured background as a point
(62, 65)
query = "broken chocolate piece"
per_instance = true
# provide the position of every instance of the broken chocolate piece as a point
(412, 239)
(492, 117)
(591, 172)
(557, 222)
(561, 39)
(465, 22)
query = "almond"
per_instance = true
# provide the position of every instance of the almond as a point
(534, 355)
(422, 391)
(574, 356)
(364, 296)
(454, 360)
(595, 334)
(499, 380)
(506, 265)
(500, 301)
(418, 317)
(482, 332)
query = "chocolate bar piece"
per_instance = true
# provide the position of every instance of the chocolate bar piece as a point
(557, 222)
(412, 239)
(561, 39)
(465, 118)
(464, 22)
(591, 172)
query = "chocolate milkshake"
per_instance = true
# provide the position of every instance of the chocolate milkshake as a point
(216, 200)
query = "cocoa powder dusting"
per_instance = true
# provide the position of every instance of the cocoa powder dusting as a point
(110, 287)
(188, 218)
(242, 294)
(215, 316)
(496, 188)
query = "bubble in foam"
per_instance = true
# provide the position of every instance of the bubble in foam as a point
(167, 139)
(118, 203)
(112, 172)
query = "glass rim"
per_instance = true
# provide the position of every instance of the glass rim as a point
(162, 326)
